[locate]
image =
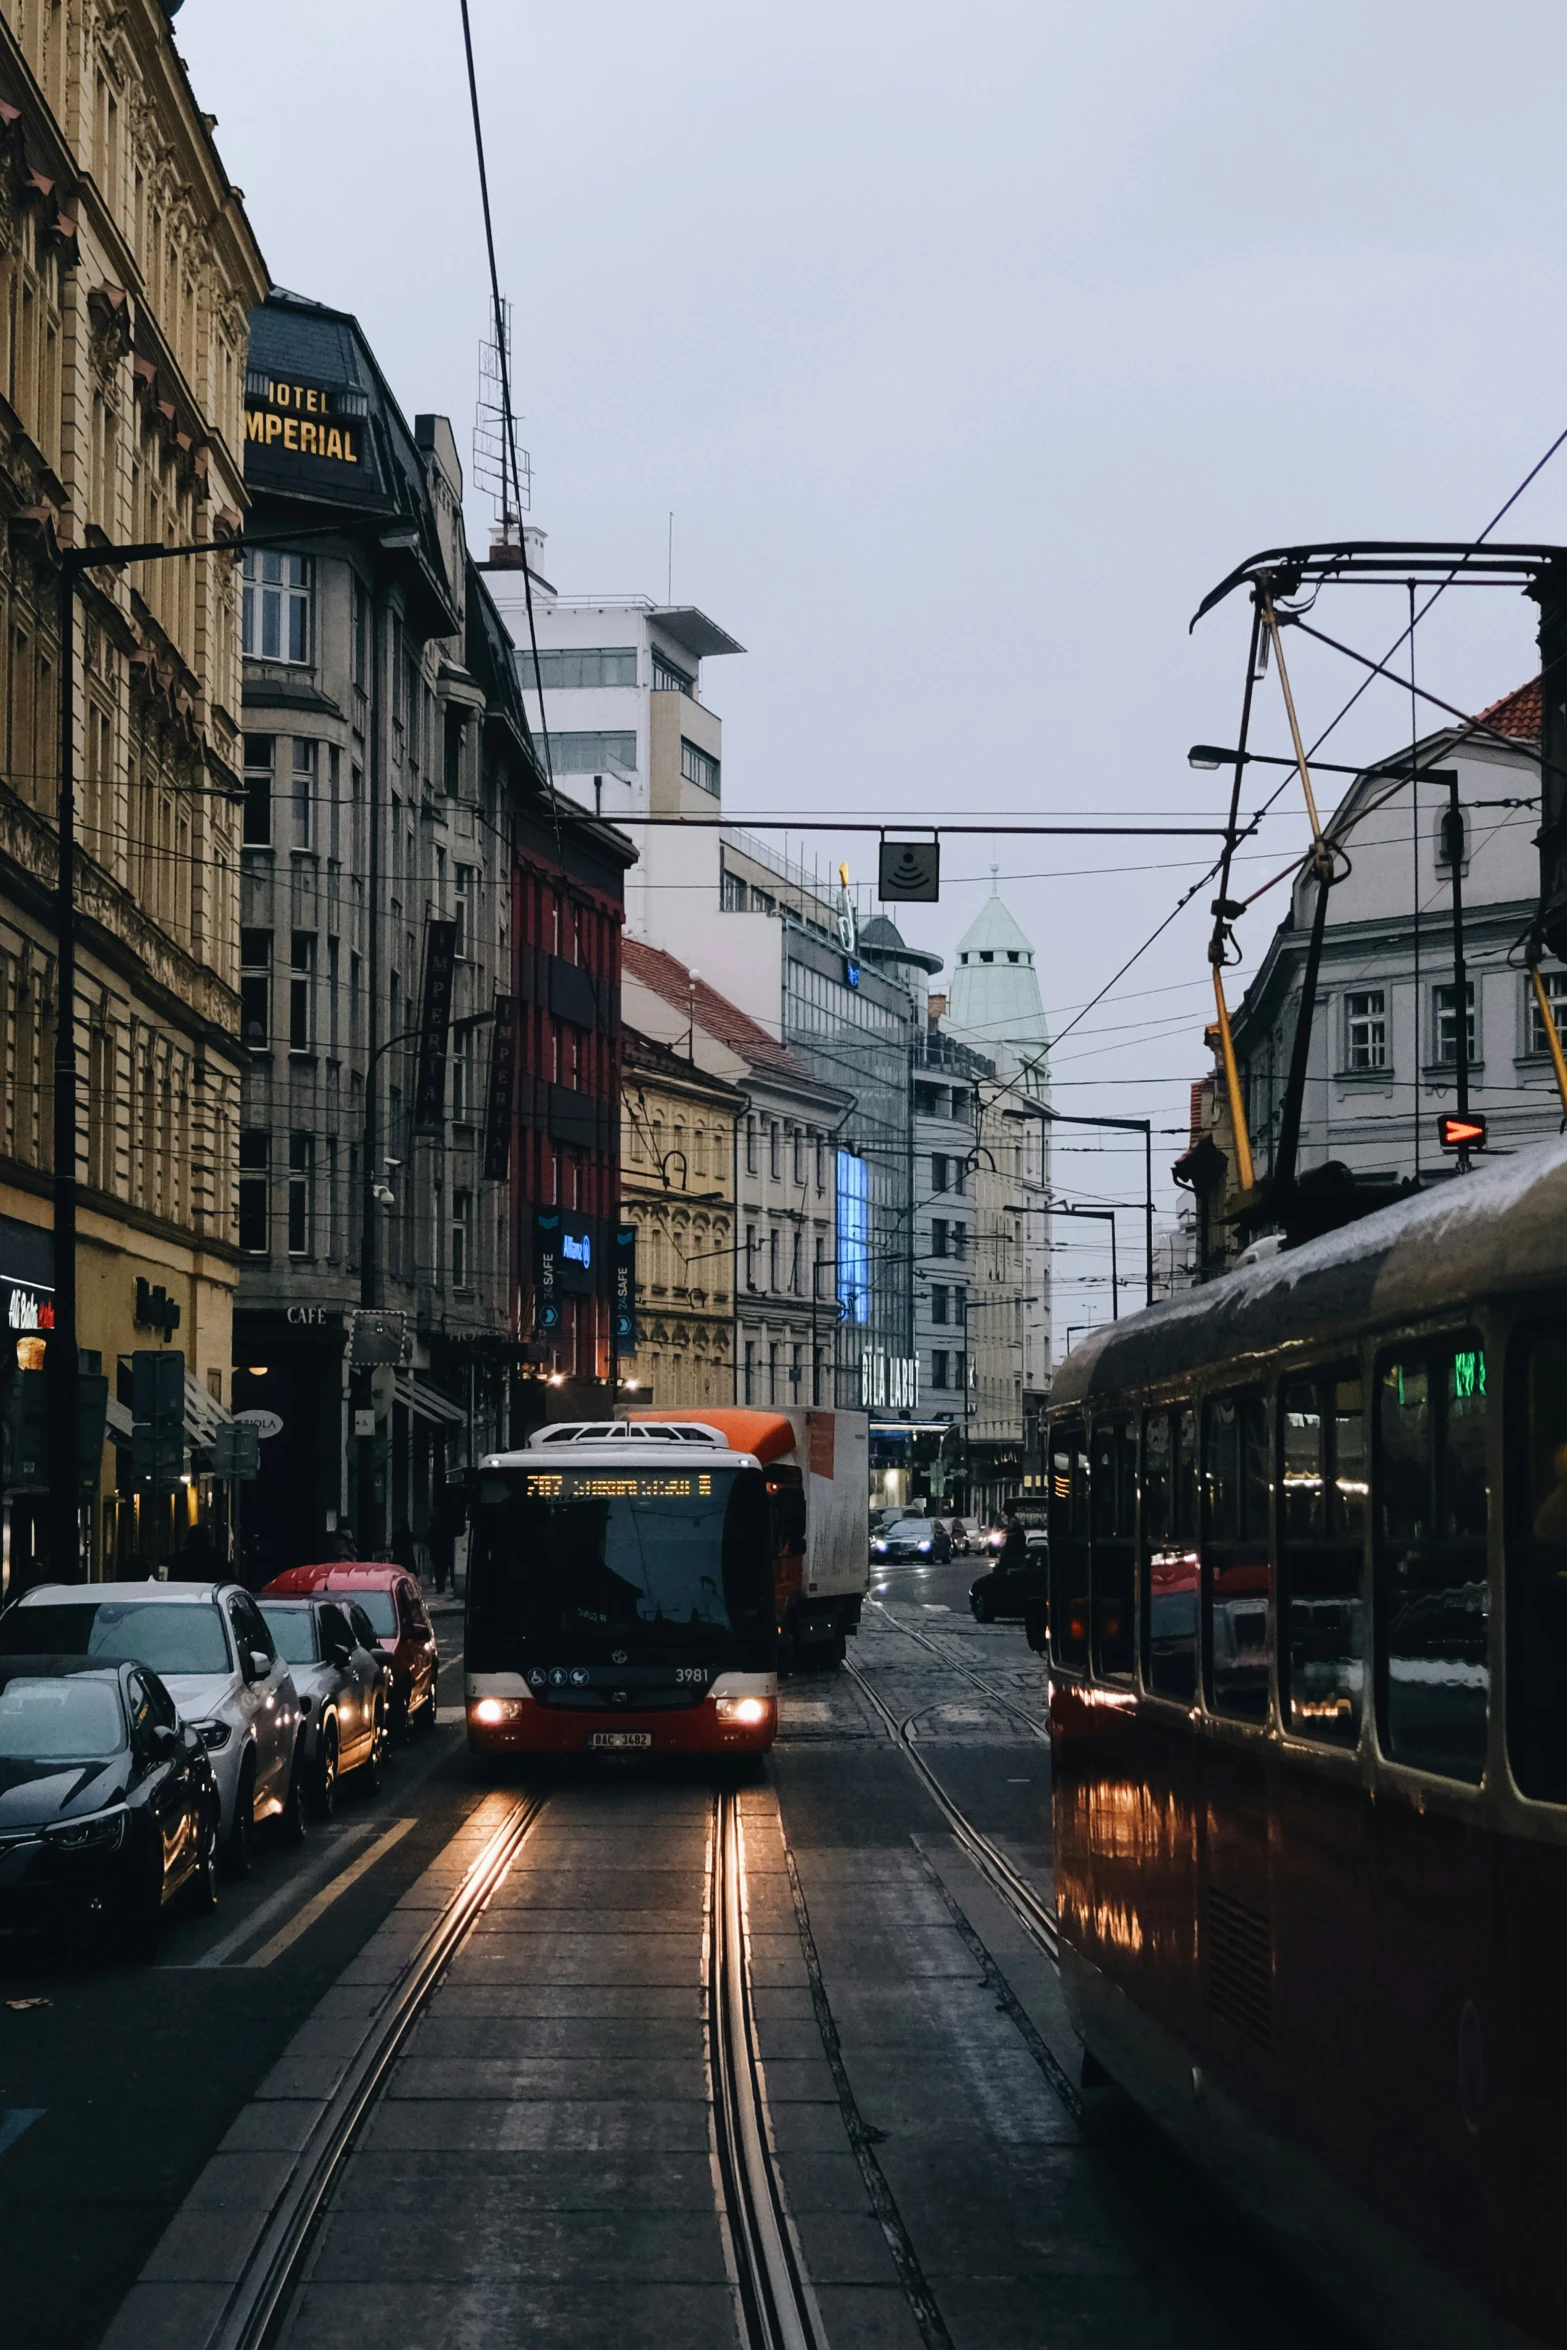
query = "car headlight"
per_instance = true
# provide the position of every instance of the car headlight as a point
(493, 1711)
(880, 1548)
(214, 1736)
(924, 1546)
(102, 1833)
(743, 1713)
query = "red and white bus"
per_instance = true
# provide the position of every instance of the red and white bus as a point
(621, 1594)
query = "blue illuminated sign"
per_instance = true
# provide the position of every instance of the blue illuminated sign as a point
(854, 1237)
(851, 971)
(578, 1250)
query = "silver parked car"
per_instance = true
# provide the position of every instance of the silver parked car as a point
(345, 1689)
(210, 1646)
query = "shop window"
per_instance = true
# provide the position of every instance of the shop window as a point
(254, 1190)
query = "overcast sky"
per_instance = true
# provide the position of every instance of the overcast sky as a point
(969, 347)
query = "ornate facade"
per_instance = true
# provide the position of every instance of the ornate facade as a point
(127, 269)
(677, 1161)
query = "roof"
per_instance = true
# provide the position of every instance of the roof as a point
(666, 976)
(81, 1594)
(995, 929)
(885, 940)
(1521, 713)
(646, 1052)
(993, 998)
(700, 636)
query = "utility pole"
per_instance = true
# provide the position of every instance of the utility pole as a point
(1453, 850)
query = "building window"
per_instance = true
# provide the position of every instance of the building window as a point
(277, 606)
(304, 794)
(592, 754)
(772, 1374)
(750, 1370)
(821, 1162)
(750, 1146)
(255, 989)
(463, 879)
(960, 1373)
(733, 897)
(698, 767)
(795, 1253)
(301, 1194)
(938, 1236)
(938, 1367)
(463, 1096)
(1555, 984)
(1445, 1026)
(938, 1171)
(301, 993)
(938, 1306)
(1365, 1029)
(258, 791)
(563, 668)
(798, 1147)
(667, 679)
(774, 1150)
(772, 1259)
(960, 1241)
(750, 1256)
(254, 1146)
(819, 1268)
(462, 1220)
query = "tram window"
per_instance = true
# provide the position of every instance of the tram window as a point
(1112, 1569)
(1322, 1517)
(1169, 1554)
(1238, 1621)
(1433, 1595)
(1537, 1567)
(1069, 1585)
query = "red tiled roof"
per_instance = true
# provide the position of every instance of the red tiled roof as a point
(668, 978)
(1521, 714)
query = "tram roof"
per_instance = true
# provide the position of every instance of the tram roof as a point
(1500, 1230)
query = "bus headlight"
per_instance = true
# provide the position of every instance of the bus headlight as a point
(742, 1713)
(492, 1713)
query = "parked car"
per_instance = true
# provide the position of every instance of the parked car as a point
(344, 1685)
(905, 1538)
(1009, 1591)
(210, 1646)
(108, 1806)
(392, 1600)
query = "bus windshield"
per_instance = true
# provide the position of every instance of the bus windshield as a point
(588, 1566)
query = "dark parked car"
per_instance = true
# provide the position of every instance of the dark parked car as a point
(108, 1805)
(345, 1691)
(905, 1538)
(392, 1600)
(1014, 1588)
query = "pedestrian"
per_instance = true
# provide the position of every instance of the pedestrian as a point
(404, 1554)
(1014, 1545)
(940, 1543)
(198, 1561)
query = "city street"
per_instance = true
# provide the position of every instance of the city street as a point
(539, 2163)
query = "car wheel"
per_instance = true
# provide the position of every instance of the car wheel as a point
(292, 1825)
(139, 1926)
(984, 1609)
(427, 1712)
(201, 1891)
(324, 1793)
(239, 1848)
(373, 1769)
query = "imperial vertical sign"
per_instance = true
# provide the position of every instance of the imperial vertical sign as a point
(497, 1115)
(435, 1019)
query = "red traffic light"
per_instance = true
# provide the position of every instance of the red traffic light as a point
(1461, 1134)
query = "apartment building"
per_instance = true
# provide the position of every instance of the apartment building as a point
(127, 273)
(677, 1157)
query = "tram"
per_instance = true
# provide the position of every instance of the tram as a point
(620, 1595)
(1308, 1657)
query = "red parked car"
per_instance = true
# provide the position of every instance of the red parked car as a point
(392, 1600)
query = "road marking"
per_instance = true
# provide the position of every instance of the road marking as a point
(14, 2119)
(322, 1901)
(935, 1607)
(274, 1906)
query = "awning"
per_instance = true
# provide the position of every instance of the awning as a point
(204, 1415)
(118, 1421)
(428, 1403)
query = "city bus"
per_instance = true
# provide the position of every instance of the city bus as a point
(620, 1595)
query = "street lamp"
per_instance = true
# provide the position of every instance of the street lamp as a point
(1205, 757)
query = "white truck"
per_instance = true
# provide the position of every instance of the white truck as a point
(817, 1465)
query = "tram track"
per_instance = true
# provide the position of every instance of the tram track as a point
(262, 2300)
(1036, 1917)
(956, 1665)
(777, 2306)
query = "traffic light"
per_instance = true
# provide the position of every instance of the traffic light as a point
(158, 1417)
(1461, 1134)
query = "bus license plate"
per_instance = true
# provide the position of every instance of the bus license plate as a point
(621, 1738)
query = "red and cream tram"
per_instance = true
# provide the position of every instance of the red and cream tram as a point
(1309, 1717)
(620, 1595)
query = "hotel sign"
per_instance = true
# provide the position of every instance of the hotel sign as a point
(303, 419)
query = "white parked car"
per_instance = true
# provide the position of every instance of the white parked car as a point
(210, 1646)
